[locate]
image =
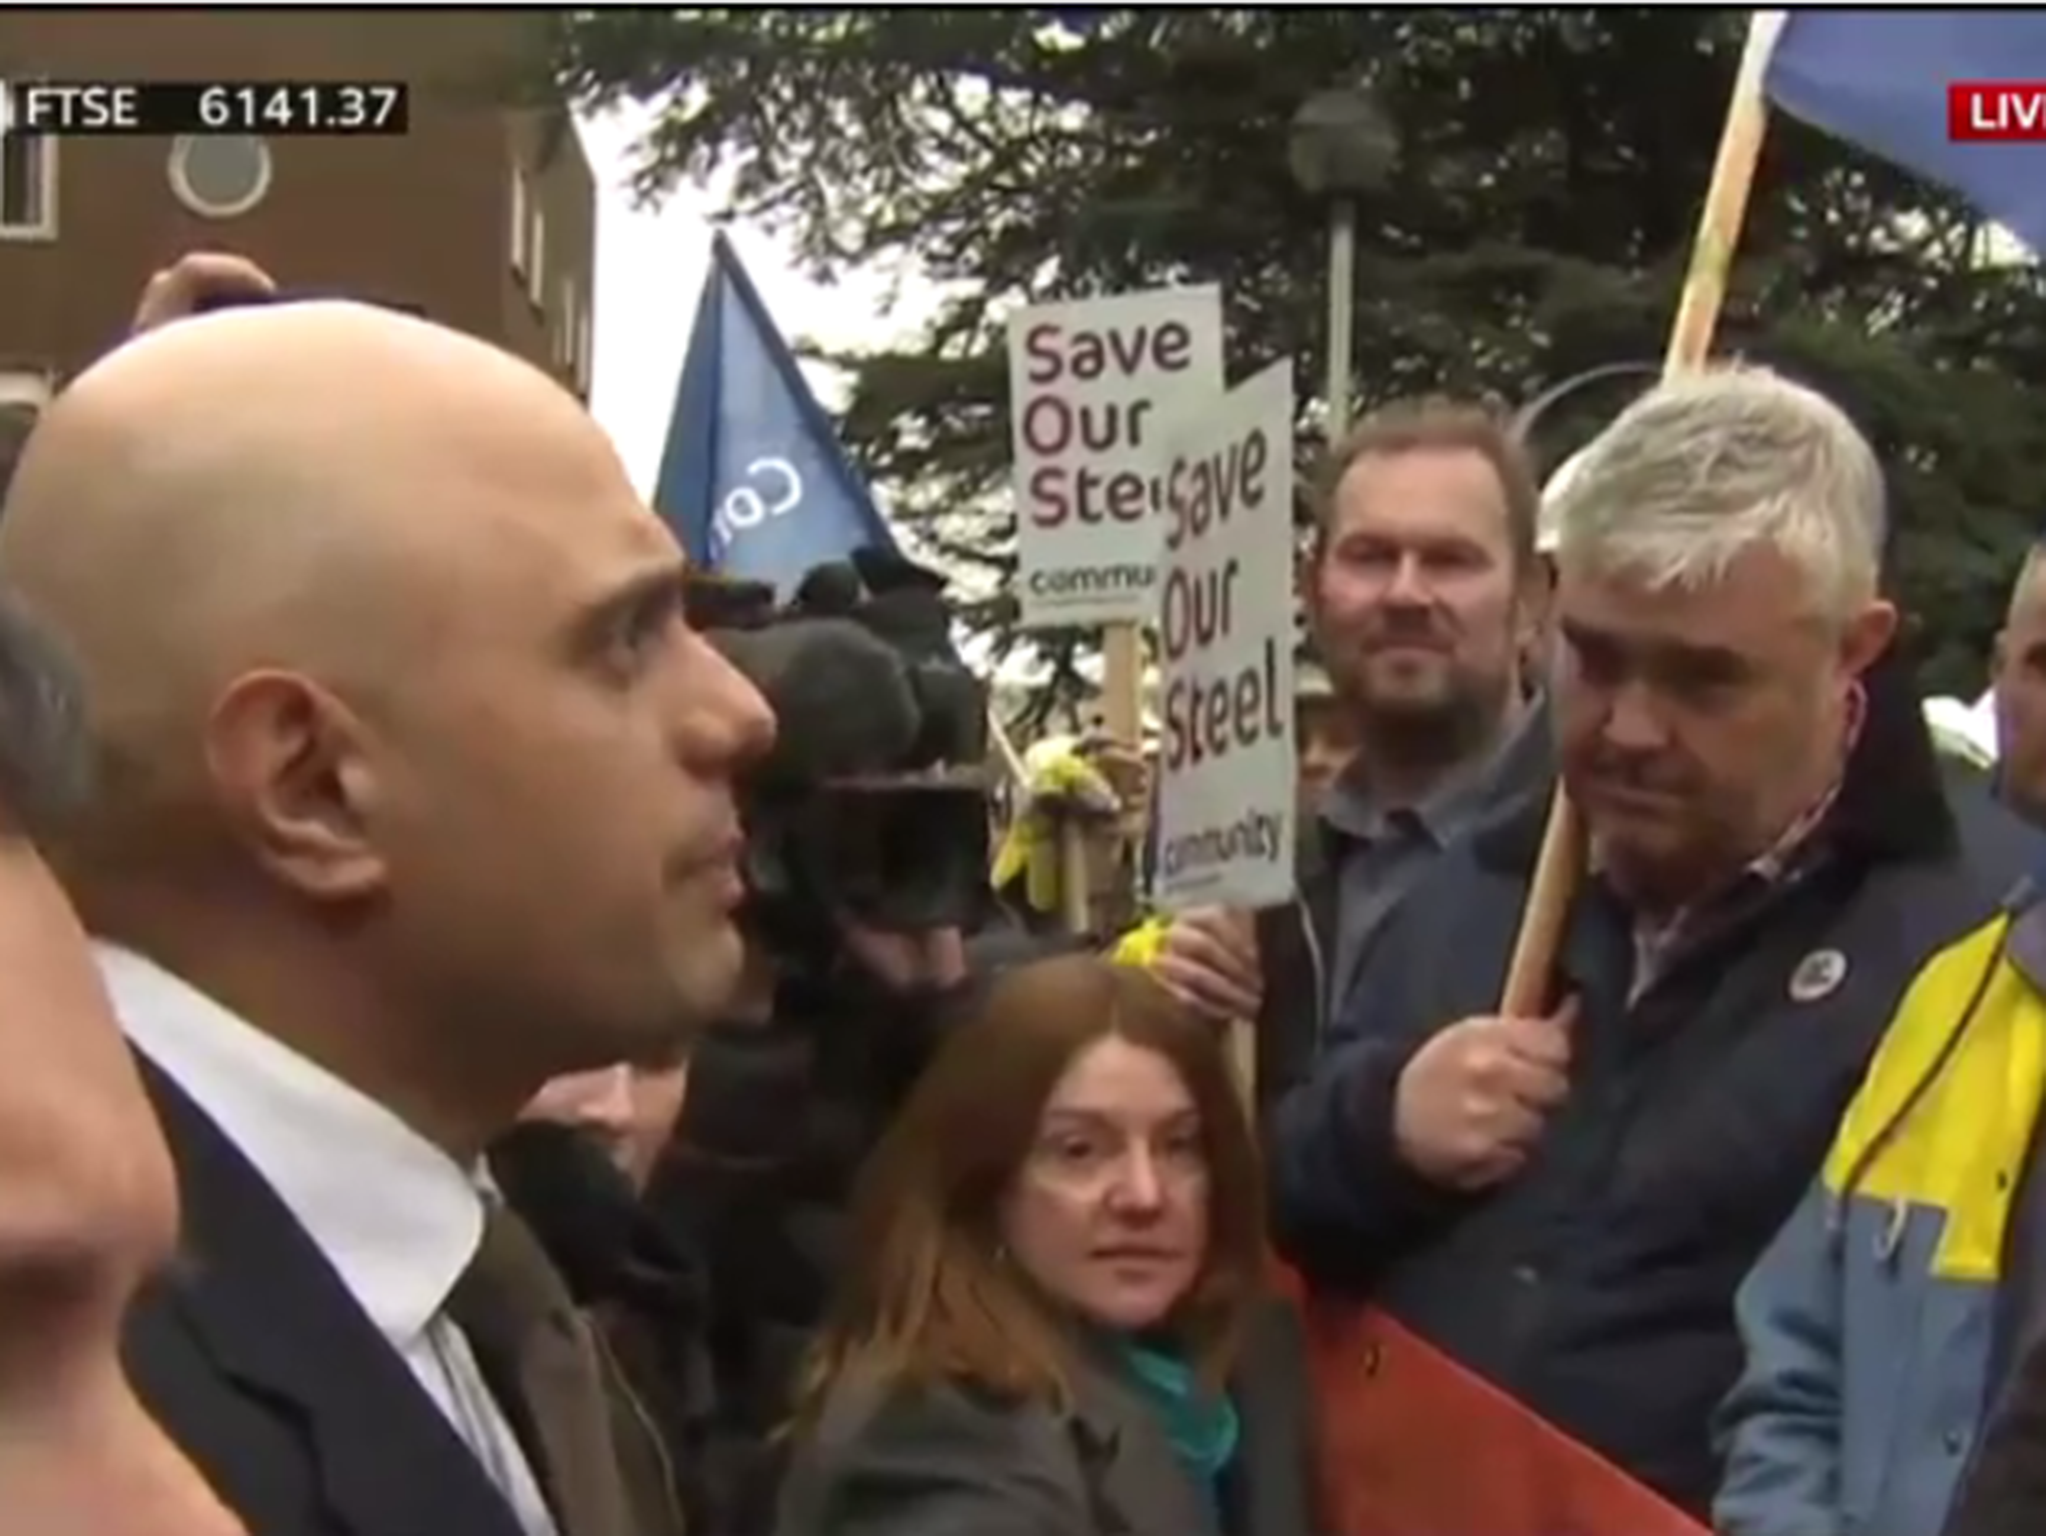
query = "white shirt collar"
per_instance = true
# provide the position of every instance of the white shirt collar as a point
(397, 1218)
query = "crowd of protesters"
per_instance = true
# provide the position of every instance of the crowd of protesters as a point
(402, 1139)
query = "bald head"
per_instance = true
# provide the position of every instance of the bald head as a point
(273, 486)
(404, 748)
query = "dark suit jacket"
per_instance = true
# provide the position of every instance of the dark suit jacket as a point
(257, 1362)
(950, 1461)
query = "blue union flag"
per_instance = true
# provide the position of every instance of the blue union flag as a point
(753, 479)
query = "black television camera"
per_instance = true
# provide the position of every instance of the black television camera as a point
(873, 802)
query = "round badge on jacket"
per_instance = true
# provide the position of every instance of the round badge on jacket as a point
(1818, 975)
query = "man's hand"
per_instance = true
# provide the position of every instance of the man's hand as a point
(203, 277)
(1209, 961)
(1473, 1101)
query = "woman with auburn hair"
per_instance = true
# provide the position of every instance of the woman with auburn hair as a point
(1056, 1321)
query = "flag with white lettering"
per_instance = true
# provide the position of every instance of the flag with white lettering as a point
(1958, 96)
(753, 479)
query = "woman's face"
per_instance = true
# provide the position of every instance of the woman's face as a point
(1109, 1212)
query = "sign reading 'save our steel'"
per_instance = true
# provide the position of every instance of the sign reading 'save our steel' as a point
(1227, 766)
(1093, 384)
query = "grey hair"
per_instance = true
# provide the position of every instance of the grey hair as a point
(1707, 466)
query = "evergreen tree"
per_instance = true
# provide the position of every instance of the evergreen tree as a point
(1535, 223)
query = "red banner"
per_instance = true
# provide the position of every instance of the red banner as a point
(1412, 1444)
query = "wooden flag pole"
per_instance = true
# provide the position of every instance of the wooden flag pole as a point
(1561, 863)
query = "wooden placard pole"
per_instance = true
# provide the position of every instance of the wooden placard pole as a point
(1075, 875)
(1122, 714)
(1122, 684)
(1560, 865)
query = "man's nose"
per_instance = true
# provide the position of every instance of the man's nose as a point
(1632, 721)
(731, 725)
(1408, 584)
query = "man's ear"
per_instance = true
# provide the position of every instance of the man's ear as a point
(1536, 602)
(1868, 635)
(1534, 605)
(288, 764)
(1999, 655)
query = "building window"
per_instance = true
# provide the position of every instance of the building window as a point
(582, 350)
(25, 388)
(536, 260)
(24, 394)
(521, 219)
(28, 186)
(220, 176)
(564, 326)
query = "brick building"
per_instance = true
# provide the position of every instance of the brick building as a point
(482, 217)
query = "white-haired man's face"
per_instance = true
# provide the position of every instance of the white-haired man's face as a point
(1696, 724)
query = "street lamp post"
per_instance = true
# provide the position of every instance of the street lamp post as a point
(1529, 415)
(1342, 146)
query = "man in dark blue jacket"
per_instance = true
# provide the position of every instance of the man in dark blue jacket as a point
(1427, 594)
(1565, 1204)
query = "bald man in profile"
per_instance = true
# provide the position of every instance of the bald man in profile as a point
(415, 792)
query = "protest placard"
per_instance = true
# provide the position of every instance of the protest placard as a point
(1092, 383)
(1225, 633)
